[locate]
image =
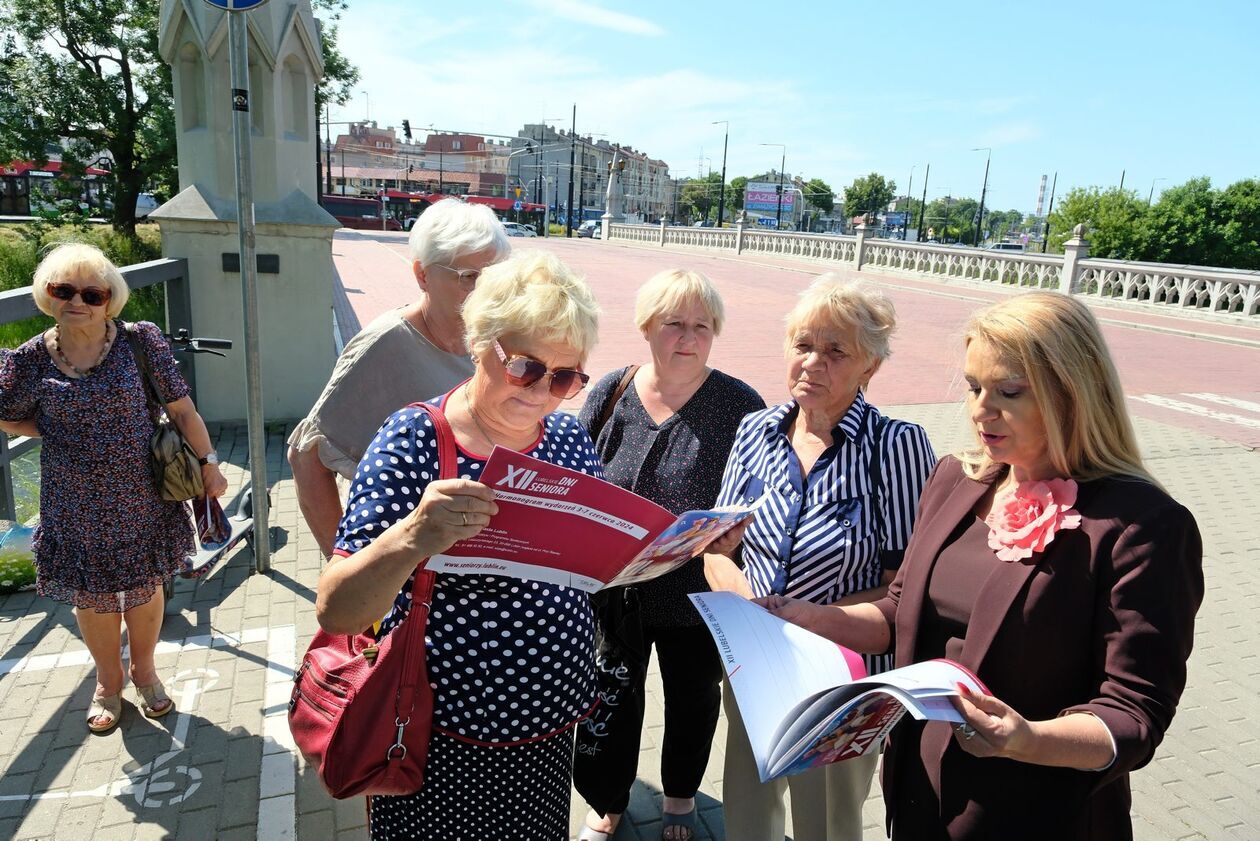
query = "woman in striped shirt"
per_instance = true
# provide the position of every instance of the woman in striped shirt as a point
(842, 484)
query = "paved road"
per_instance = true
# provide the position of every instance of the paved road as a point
(222, 767)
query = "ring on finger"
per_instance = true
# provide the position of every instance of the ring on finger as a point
(967, 731)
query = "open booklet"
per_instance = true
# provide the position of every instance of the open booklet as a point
(570, 528)
(807, 701)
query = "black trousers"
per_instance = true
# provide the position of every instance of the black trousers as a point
(607, 751)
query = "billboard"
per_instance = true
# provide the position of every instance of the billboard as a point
(763, 197)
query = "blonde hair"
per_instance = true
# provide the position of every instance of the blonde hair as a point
(534, 295)
(1054, 341)
(836, 303)
(671, 290)
(73, 259)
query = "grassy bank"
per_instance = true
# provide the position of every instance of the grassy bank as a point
(22, 246)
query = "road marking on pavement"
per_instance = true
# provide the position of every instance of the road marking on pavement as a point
(1246, 405)
(277, 783)
(1201, 411)
(81, 657)
(161, 783)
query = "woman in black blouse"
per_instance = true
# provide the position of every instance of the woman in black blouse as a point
(666, 436)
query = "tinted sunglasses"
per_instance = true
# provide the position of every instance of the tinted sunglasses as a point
(93, 296)
(523, 372)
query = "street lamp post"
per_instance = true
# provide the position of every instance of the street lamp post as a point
(722, 195)
(905, 222)
(983, 188)
(778, 215)
(1151, 194)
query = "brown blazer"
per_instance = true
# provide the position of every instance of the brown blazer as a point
(1101, 622)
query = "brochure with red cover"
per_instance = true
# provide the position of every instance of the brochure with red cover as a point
(807, 701)
(569, 528)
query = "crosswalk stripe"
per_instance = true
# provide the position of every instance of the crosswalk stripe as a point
(1201, 411)
(1227, 401)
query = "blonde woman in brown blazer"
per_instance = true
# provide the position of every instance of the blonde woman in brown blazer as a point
(1050, 563)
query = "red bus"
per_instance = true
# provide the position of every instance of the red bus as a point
(362, 213)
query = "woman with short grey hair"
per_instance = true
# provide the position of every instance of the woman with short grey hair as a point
(842, 483)
(406, 354)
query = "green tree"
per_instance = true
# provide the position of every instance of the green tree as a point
(1239, 214)
(1113, 217)
(89, 73)
(735, 193)
(85, 78)
(952, 219)
(340, 76)
(820, 195)
(1000, 223)
(700, 195)
(868, 194)
(1185, 226)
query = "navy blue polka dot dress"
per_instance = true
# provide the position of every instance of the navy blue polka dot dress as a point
(105, 539)
(510, 661)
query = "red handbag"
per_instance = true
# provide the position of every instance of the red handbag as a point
(362, 709)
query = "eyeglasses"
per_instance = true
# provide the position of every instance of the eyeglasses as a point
(523, 372)
(93, 296)
(467, 277)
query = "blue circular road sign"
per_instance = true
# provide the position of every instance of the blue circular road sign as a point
(236, 5)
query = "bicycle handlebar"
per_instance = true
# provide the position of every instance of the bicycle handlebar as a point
(192, 344)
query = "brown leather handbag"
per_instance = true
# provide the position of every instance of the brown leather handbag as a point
(175, 468)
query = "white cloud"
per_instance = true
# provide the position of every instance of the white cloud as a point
(586, 12)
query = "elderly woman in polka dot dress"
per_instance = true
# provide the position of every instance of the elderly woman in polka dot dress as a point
(511, 662)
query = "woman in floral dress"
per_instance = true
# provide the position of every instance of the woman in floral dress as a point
(106, 541)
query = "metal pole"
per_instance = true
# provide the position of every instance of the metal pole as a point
(238, 47)
(778, 214)
(983, 189)
(568, 209)
(905, 222)
(918, 234)
(1045, 235)
(328, 150)
(726, 136)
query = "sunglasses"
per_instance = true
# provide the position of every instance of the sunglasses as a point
(523, 372)
(93, 296)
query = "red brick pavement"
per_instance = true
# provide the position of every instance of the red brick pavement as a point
(1177, 359)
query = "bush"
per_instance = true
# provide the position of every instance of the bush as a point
(22, 246)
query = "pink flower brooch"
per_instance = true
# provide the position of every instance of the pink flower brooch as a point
(1026, 516)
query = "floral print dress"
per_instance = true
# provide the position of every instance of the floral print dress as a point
(105, 539)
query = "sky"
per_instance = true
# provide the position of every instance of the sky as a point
(1157, 91)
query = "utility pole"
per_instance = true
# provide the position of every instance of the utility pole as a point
(905, 221)
(568, 208)
(983, 189)
(918, 235)
(726, 136)
(1045, 234)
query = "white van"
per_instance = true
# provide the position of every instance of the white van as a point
(1007, 246)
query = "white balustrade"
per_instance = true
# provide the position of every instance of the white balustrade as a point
(1185, 288)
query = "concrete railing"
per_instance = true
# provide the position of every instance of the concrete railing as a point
(1187, 288)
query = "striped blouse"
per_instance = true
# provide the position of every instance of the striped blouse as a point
(820, 538)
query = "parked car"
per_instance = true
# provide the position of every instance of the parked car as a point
(590, 229)
(1006, 246)
(516, 229)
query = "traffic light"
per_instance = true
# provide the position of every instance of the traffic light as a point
(407, 129)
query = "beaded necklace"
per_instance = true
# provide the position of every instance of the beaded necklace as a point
(66, 362)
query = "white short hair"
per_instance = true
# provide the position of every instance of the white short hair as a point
(451, 229)
(831, 302)
(534, 295)
(75, 259)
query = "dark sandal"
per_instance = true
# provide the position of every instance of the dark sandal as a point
(684, 826)
(104, 706)
(150, 697)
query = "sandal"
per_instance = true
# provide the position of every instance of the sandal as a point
(678, 827)
(154, 702)
(108, 707)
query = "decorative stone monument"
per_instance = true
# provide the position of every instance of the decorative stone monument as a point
(293, 233)
(614, 195)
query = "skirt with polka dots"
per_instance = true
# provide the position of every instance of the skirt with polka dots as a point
(518, 793)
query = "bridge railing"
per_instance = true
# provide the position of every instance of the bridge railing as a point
(1201, 289)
